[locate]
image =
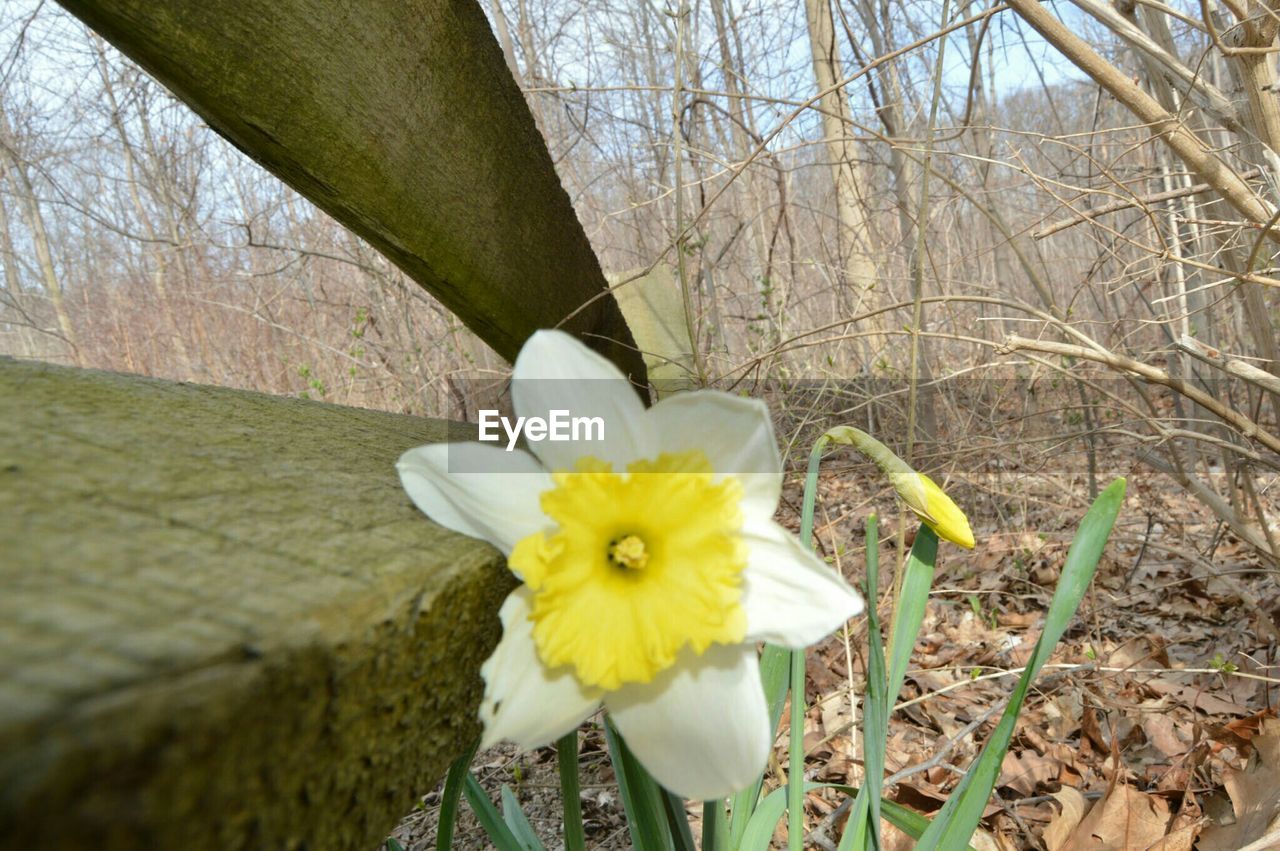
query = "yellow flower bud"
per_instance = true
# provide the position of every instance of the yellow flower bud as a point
(917, 490)
(943, 516)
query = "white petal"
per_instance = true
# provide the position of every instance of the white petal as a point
(791, 598)
(500, 506)
(735, 433)
(555, 372)
(701, 727)
(523, 701)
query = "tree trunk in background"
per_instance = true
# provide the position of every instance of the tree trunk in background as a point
(407, 128)
(858, 271)
(504, 39)
(1254, 76)
(742, 138)
(12, 283)
(892, 114)
(30, 204)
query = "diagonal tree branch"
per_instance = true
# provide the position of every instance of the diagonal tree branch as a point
(401, 120)
(1198, 157)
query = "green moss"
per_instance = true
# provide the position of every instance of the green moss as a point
(224, 625)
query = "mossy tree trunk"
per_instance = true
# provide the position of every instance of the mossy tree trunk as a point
(223, 624)
(400, 119)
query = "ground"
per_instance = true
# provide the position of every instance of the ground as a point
(1153, 723)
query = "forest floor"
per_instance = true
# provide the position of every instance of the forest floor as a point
(1153, 726)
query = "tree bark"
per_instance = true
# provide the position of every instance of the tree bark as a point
(858, 271)
(20, 181)
(400, 119)
(12, 283)
(225, 625)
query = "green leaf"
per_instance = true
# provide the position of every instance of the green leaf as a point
(678, 821)
(492, 822)
(641, 796)
(715, 826)
(882, 689)
(775, 673)
(795, 760)
(567, 758)
(392, 845)
(909, 612)
(759, 832)
(795, 756)
(862, 829)
(453, 783)
(955, 822)
(515, 818)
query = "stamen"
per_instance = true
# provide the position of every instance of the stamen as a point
(629, 552)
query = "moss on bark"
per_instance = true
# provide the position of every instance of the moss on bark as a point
(223, 623)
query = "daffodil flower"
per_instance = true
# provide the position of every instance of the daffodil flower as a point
(650, 563)
(921, 494)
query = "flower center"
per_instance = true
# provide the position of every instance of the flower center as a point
(629, 552)
(639, 566)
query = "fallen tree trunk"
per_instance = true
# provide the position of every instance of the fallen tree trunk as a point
(223, 624)
(401, 120)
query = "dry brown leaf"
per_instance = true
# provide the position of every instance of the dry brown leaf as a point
(1124, 820)
(1022, 771)
(1255, 795)
(1164, 733)
(1241, 730)
(1063, 712)
(1065, 823)
(1182, 839)
(1194, 696)
(1142, 651)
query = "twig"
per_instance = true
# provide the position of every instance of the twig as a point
(1221, 360)
(1125, 204)
(1237, 420)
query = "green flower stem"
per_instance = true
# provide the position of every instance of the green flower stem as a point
(795, 770)
(715, 826)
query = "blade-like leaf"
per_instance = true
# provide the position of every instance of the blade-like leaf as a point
(489, 817)
(862, 829)
(567, 758)
(677, 821)
(908, 614)
(715, 826)
(775, 672)
(795, 760)
(955, 822)
(453, 784)
(795, 756)
(518, 822)
(759, 832)
(641, 796)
